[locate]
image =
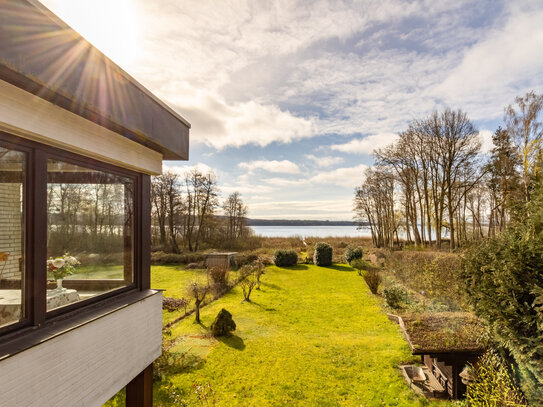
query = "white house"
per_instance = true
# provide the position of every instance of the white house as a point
(79, 141)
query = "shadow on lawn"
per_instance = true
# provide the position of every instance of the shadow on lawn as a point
(270, 285)
(233, 341)
(263, 307)
(297, 267)
(340, 267)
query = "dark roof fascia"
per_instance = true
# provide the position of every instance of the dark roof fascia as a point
(26, 26)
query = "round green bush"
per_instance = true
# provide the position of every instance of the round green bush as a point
(285, 258)
(323, 254)
(352, 253)
(395, 296)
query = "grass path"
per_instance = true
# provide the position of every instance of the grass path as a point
(312, 336)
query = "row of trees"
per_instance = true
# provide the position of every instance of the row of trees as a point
(184, 209)
(434, 182)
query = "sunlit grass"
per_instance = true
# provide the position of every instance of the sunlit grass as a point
(312, 336)
(97, 272)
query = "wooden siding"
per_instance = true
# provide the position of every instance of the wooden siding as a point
(87, 365)
(33, 118)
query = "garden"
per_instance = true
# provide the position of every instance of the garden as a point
(323, 324)
(310, 336)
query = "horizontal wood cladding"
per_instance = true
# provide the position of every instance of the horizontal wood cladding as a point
(87, 365)
(31, 117)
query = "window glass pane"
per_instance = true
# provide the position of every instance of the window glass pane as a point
(89, 234)
(12, 266)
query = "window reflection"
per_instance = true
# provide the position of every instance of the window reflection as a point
(90, 233)
(12, 176)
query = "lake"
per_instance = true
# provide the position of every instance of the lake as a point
(311, 231)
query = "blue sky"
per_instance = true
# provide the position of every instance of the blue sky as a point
(287, 99)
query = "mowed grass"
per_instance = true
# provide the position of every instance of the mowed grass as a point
(312, 336)
(174, 279)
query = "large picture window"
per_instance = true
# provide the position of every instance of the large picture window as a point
(12, 260)
(90, 217)
(73, 231)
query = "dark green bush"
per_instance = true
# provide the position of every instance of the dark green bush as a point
(504, 279)
(395, 296)
(223, 324)
(285, 258)
(353, 253)
(323, 254)
(373, 280)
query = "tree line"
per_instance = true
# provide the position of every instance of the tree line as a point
(434, 183)
(184, 212)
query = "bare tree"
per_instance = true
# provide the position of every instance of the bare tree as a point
(201, 203)
(526, 129)
(236, 212)
(198, 292)
(159, 200)
(374, 204)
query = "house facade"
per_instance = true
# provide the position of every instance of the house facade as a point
(79, 141)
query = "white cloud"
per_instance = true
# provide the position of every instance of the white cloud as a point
(348, 177)
(324, 161)
(505, 63)
(219, 124)
(367, 144)
(486, 140)
(283, 167)
(181, 170)
(283, 182)
(339, 208)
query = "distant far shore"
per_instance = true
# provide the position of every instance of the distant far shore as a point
(299, 222)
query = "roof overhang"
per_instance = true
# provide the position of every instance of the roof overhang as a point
(42, 55)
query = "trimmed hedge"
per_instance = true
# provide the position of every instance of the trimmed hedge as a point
(172, 258)
(323, 254)
(285, 258)
(352, 253)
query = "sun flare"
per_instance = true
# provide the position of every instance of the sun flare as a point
(112, 26)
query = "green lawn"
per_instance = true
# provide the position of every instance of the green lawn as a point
(174, 279)
(312, 336)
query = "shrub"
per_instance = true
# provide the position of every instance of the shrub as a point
(492, 381)
(373, 280)
(223, 324)
(395, 296)
(258, 269)
(244, 259)
(285, 258)
(172, 258)
(247, 281)
(218, 278)
(198, 292)
(173, 304)
(194, 266)
(359, 265)
(218, 275)
(353, 253)
(323, 254)
(505, 285)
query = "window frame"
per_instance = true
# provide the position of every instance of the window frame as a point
(35, 231)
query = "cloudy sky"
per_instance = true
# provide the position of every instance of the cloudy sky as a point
(287, 99)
